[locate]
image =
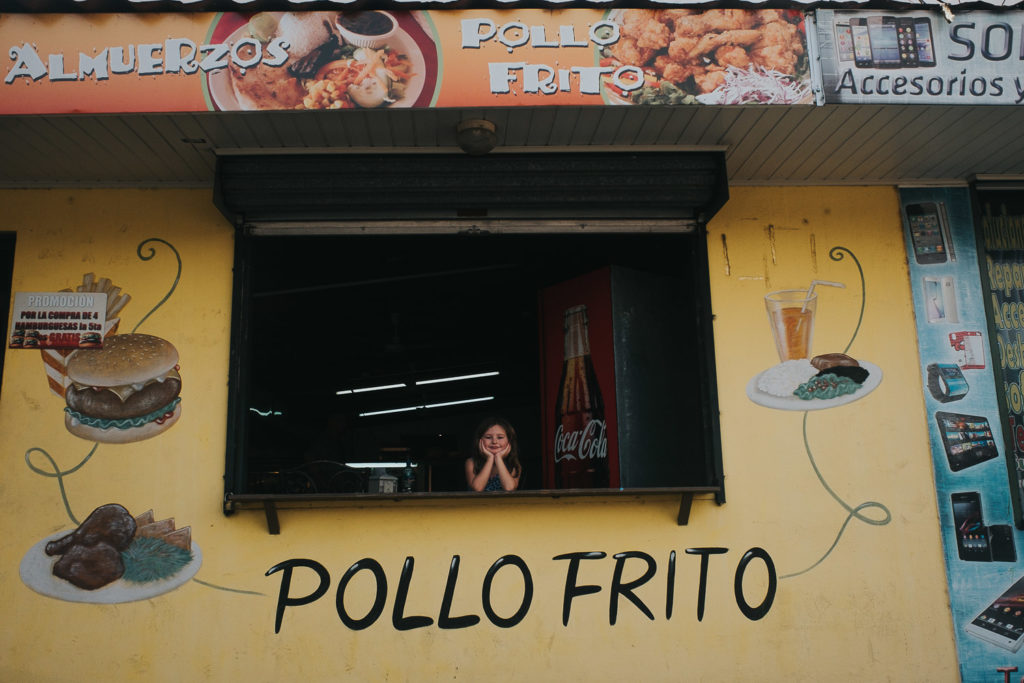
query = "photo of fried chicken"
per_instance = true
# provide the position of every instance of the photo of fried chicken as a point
(721, 56)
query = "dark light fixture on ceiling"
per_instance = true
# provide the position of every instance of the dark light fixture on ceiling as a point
(476, 136)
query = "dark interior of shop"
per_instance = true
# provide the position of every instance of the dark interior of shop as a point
(6, 271)
(334, 318)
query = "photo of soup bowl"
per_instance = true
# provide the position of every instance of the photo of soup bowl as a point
(366, 28)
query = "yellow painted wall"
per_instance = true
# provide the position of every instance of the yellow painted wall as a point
(873, 609)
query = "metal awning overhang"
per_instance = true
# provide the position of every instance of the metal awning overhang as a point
(342, 193)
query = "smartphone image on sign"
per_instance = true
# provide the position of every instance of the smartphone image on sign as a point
(907, 41)
(885, 50)
(1002, 622)
(1000, 538)
(971, 533)
(927, 232)
(923, 38)
(940, 299)
(844, 42)
(861, 43)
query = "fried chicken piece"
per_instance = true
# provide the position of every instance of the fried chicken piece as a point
(90, 567)
(110, 524)
(729, 19)
(676, 72)
(778, 32)
(669, 17)
(688, 24)
(712, 78)
(646, 28)
(628, 52)
(767, 16)
(91, 554)
(660, 63)
(778, 47)
(732, 55)
(680, 49)
(776, 57)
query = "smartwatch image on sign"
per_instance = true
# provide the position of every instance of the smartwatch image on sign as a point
(946, 382)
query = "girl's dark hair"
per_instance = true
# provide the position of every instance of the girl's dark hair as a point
(515, 468)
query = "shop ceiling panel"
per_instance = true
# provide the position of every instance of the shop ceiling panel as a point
(764, 145)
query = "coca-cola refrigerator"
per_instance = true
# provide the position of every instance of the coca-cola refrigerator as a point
(620, 380)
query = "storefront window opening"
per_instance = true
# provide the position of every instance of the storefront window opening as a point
(362, 356)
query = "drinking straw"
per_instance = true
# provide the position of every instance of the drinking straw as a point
(815, 283)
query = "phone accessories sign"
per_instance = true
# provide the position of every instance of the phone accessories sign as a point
(876, 57)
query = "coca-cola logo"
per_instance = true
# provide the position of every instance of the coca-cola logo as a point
(588, 443)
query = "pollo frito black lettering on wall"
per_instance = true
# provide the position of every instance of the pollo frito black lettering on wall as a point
(641, 567)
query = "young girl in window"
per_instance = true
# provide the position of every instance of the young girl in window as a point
(494, 466)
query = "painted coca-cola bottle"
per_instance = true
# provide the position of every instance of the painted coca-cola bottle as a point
(581, 443)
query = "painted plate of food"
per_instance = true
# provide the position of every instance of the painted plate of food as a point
(825, 381)
(313, 61)
(112, 557)
(718, 56)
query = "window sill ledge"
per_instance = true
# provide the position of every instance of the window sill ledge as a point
(271, 502)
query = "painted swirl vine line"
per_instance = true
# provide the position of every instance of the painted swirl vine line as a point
(58, 474)
(853, 512)
(837, 254)
(177, 277)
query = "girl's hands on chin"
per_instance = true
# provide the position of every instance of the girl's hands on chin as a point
(483, 450)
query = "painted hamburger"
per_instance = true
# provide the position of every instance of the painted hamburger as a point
(126, 391)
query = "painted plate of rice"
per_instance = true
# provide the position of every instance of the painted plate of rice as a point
(774, 387)
(144, 560)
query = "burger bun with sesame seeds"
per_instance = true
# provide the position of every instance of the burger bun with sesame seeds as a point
(126, 391)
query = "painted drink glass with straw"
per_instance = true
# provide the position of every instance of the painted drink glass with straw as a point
(791, 316)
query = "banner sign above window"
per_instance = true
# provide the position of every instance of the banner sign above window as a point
(375, 59)
(151, 6)
(876, 57)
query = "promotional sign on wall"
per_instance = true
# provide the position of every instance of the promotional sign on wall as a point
(876, 57)
(375, 59)
(57, 320)
(983, 561)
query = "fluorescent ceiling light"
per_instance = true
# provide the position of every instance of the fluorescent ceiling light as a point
(371, 465)
(392, 410)
(457, 378)
(455, 403)
(429, 405)
(381, 387)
